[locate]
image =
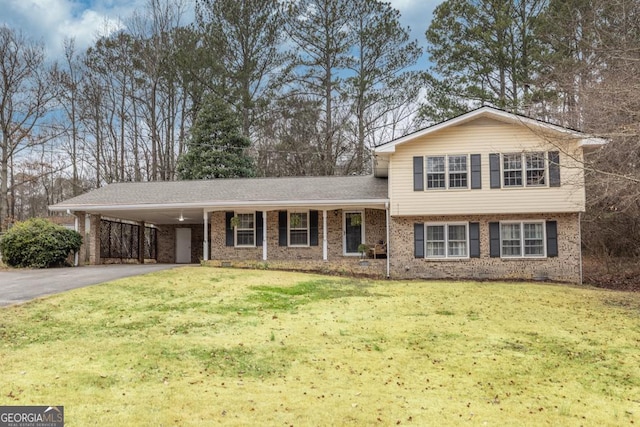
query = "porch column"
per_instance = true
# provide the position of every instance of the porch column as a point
(387, 218)
(80, 221)
(205, 243)
(324, 236)
(94, 239)
(141, 241)
(264, 235)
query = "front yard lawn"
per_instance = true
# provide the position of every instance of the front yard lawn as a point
(207, 346)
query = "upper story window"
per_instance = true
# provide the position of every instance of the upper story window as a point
(524, 169)
(447, 172)
(532, 169)
(298, 228)
(245, 229)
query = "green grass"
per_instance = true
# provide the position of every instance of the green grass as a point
(205, 346)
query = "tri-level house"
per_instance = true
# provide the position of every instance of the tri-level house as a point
(486, 195)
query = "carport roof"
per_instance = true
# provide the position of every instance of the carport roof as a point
(125, 199)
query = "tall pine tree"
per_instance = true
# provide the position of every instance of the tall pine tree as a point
(216, 148)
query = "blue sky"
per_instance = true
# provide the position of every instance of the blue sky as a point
(52, 20)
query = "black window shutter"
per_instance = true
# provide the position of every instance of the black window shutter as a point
(552, 238)
(228, 228)
(554, 169)
(474, 240)
(313, 228)
(259, 228)
(476, 174)
(282, 228)
(494, 239)
(494, 170)
(418, 240)
(418, 173)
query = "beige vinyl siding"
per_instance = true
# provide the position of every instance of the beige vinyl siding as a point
(485, 136)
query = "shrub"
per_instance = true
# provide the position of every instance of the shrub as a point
(38, 243)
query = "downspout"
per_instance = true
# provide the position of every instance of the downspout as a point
(580, 244)
(386, 210)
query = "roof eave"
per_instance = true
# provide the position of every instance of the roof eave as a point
(218, 205)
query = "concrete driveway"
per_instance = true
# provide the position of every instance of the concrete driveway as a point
(17, 286)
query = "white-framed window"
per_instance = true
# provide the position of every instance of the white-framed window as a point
(450, 171)
(298, 223)
(524, 169)
(245, 231)
(446, 240)
(522, 239)
(458, 171)
(535, 164)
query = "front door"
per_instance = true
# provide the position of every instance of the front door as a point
(353, 235)
(183, 245)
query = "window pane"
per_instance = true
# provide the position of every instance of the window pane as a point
(533, 240)
(457, 163)
(435, 232)
(245, 238)
(512, 170)
(458, 232)
(245, 231)
(457, 240)
(298, 237)
(299, 228)
(435, 241)
(435, 249)
(535, 169)
(510, 236)
(298, 220)
(246, 221)
(457, 249)
(435, 164)
(435, 172)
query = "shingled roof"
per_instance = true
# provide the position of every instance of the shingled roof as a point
(325, 191)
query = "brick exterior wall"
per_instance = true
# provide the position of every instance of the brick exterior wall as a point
(167, 242)
(564, 268)
(375, 229)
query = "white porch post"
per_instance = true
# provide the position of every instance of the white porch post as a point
(76, 254)
(264, 235)
(324, 236)
(386, 215)
(205, 243)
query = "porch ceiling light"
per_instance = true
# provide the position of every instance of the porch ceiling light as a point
(181, 217)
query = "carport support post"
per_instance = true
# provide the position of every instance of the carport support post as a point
(141, 240)
(94, 239)
(80, 227)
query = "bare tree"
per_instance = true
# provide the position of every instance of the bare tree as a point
(24, 97)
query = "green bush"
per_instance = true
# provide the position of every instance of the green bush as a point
(38, 243)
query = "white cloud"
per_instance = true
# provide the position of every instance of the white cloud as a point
(51, 21)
